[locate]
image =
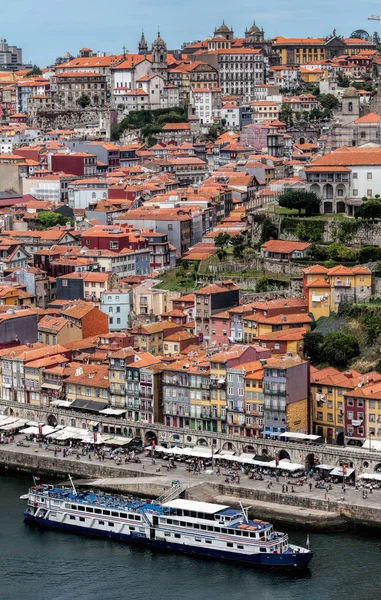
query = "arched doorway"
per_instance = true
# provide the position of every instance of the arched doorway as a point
(284, 455)
(328, 207)
(150, 437)
(340, 207)
(301, 140)
(340, 438)
(311, 461)
(249, 449)
(229, 446)
(265, 452)
(377, 468)
(201, 442)
(52, 421)
(315, 188)
(328, 191)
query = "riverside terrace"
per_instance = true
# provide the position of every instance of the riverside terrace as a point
(310, 509)
(363, 460)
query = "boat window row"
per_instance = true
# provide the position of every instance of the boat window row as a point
(201, 540)
(240, 532)
(105, 512)
(109, 523)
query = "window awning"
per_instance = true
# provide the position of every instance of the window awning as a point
(51, 386)
(89, 405)
(371, 476)
(113, 411)
(15, 425)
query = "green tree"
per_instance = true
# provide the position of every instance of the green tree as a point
(299, 200)
(222, 241)
(339, 348)
(317, 253)
(213, 132)
(238, 244)
(312, 346)
(47, 218)
(368, 254)
(262, 284)
(84, 100)
(286, 115)
(342, 80)
(340, 252)
(329, 102)
(269, 230)
(34, 71)
(369, 210)
(310, 231)
(377, 40)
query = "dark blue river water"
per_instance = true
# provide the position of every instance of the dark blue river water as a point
(49, 565)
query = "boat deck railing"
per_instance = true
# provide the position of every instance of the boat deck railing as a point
(101, 500)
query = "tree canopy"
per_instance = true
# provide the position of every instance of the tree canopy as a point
(329, 102)
(84, 100)
(34, 71)
(47, 218)
(222, 241)
(149, 121)
(299, 200)
(238, 244)
(337, 348)
(369, 210)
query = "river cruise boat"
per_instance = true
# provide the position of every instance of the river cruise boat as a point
(197, 528)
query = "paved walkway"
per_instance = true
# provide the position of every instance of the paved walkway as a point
(159, 474)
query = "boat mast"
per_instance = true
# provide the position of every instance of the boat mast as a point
(72, 485)
(244, 512)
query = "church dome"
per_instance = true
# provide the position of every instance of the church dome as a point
(159, 41)
(223, 28)
(254, 29)
(351, 91)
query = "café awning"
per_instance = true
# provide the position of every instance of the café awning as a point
(338, 472)
(89, 405)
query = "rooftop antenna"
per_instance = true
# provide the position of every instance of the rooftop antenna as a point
(72, 485)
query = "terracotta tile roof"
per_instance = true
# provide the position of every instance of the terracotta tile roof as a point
(52, 323)
(317, 169)
(79, 310)
(47, 362)
(319, 283)
(287, 335)
(348, 156)
(175, 126)
(349, 379)
(369, 118)
(215, 288)
(316, 269)
(278, 303)
(90, 376)
(285, 362)
(281, 41)
(152, 328)
(179, 336)
(284, 247)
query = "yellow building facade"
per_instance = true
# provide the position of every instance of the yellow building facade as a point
(325, 289)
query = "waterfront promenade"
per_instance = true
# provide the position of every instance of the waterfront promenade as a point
(312, 508)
